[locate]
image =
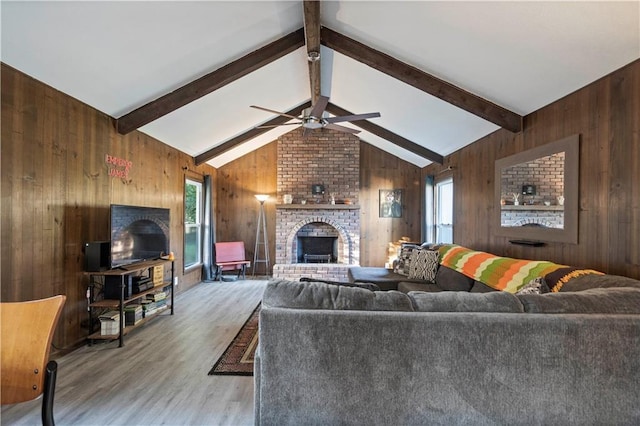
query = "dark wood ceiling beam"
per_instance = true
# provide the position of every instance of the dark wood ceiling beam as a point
(421, 80)
(210, 82)
(311, 9)
(389, 136)
(248, 135)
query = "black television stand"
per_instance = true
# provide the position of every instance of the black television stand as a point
(119, 304)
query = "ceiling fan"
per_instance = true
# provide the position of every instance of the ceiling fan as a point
(313, 118)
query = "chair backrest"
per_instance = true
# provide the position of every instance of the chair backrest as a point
(27, 331)
(231, 251)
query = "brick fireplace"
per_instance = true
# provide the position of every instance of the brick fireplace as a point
(327, 158)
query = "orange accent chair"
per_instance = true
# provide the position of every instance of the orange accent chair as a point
(26, 372)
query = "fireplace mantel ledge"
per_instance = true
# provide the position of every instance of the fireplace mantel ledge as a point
(314, 206)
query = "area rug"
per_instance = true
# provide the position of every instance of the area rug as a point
(237, 359)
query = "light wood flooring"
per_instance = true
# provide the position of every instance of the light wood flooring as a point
(160, 375)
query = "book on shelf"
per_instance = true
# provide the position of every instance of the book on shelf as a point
(160, 295)
(133, 314)
(110, 316)
(109, 323)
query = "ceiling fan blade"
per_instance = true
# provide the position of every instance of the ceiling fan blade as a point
(319, 107)
(354, 117)
(341, 128)
(275, 112)
(278, 125)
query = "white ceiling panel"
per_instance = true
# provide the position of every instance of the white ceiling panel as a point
(413, 114)
(520, 55)
(119, 55)
(225, 113)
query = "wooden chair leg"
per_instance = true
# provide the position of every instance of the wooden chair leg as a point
(48, 393)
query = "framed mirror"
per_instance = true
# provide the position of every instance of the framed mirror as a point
(536, 193)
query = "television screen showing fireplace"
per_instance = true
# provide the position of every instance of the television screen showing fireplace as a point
(138, 234)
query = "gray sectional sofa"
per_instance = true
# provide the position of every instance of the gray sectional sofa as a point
(331, 354)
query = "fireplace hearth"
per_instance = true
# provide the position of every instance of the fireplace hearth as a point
(318, 231)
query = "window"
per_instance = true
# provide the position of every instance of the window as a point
(443, 218)
(192, 223)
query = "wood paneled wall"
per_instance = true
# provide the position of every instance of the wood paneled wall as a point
(237, 209)
(56, 193)
(381, 170)
(256, 172)
(606, 114)
(56, 190)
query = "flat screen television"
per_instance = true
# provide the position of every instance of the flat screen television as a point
(138, 234)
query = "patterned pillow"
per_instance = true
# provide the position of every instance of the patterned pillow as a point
(535, 286)
(404, 260)
(556, 279)
(424, 265)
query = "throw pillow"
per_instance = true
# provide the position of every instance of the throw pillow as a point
(535, 286)
(404, 260)
(424, 265)
(556, 279)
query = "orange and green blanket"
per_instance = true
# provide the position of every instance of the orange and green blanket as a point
(501, 273)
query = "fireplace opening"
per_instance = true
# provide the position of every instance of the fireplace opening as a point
(317, 249)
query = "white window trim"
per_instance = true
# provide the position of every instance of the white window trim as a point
(198, 224)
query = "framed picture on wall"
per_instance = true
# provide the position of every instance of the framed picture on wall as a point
(390, 202)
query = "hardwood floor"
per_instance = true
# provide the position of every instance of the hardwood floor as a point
(160, 375)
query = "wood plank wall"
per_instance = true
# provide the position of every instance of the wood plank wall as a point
(237, 209)
(56, 193)
(256, 172)
(606, 114)
(381, 170)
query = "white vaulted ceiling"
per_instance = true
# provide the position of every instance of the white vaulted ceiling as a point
(117, 56)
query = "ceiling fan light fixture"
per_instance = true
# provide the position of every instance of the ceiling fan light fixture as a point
(312, 123)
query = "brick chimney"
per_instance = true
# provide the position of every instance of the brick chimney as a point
(328, 158)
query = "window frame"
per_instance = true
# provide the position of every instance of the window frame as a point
(432, 204)
(198, 225)
(437, 213)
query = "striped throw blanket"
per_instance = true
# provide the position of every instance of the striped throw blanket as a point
(501, 273)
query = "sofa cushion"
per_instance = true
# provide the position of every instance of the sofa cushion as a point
(382, 277)
(479, 287)
(424, 265)
(558, 278)
(460, 301)
(407, 286)
(368, 286)
(315, 295)
(622, 300)
(448, 279)
(585, 282)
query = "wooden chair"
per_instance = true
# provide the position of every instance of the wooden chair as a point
(27, 331)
